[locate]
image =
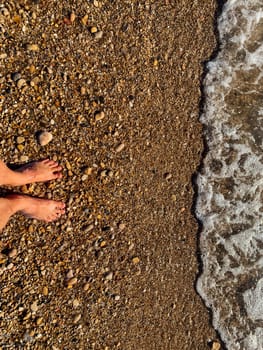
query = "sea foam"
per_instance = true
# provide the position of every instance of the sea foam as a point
(230, 184)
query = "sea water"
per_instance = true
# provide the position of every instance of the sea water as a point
(230, 183)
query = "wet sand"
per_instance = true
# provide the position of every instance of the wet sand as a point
(118, 271)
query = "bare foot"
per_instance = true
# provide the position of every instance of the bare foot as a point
(40, 171)
(36, 208)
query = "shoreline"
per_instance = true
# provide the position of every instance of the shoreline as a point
(129, 238)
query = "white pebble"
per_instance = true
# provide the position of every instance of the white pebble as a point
(44, 138)
(120, 148)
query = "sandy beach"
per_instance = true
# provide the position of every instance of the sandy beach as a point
(118, 85)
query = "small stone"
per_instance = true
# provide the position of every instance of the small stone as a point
(45, 291)
(24, 159)
(99, 34)
(72, 282)
(96, 3)
(70, 274)
(20, 139)
(84, 20)
(117, 297)
(83, 90)
(44, 138)
(34, 81)
(21, 83)
(72, 17)
(173, 197)
(216, 345)
(136, 260)
(3, 55)
(104, 173)
(32, 47)
(4, 11)
(68, 165)
(32, 69)
(89, 228)
(103, 244)
(75, 303)
(15, 76)
(86, 287)
(20, 147)
(167, 176)
(88, 171)
(99, 116)
(77, 318)
(12, 253)
(120, 148)
(39, 321)
(84, 177)
(93, 29)
(121, 226)
(34, 307)
(109, 276)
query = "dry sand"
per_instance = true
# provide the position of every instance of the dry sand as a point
(118, 271)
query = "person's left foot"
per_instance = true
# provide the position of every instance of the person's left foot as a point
(41, 171)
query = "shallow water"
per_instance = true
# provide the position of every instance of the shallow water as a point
(230, 184)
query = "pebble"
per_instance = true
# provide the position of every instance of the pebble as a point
(34, 307)
(72, 282)
(99, 116)
(24, 159)
(45, 291)
(75, 303)
(44, 138)
(84, 177)
(216, 346)
(84, 20)
(120, 147)
(21, 83)
(20, 139)
(88, 171)
(12, 253)
(136, 260)
(39, 321)
(77, 318)
(96, 3)
(93, 29)
(70, 274)
(15, 76)
(117, 297)
(167, 176)
(32, 47)
(34, 81)
(89, 228)
(99, 34)
(121, 226)
(109, 276)
(72, 17)
(4, 11)
(86, 287)
(83, 90)
(20, 147)
(173, 197)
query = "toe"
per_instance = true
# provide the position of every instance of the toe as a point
(52, 163)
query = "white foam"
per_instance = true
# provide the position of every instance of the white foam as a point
(230, 187)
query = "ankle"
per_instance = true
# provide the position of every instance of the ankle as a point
(15, 203)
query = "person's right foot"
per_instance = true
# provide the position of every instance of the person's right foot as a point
(36, 208)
